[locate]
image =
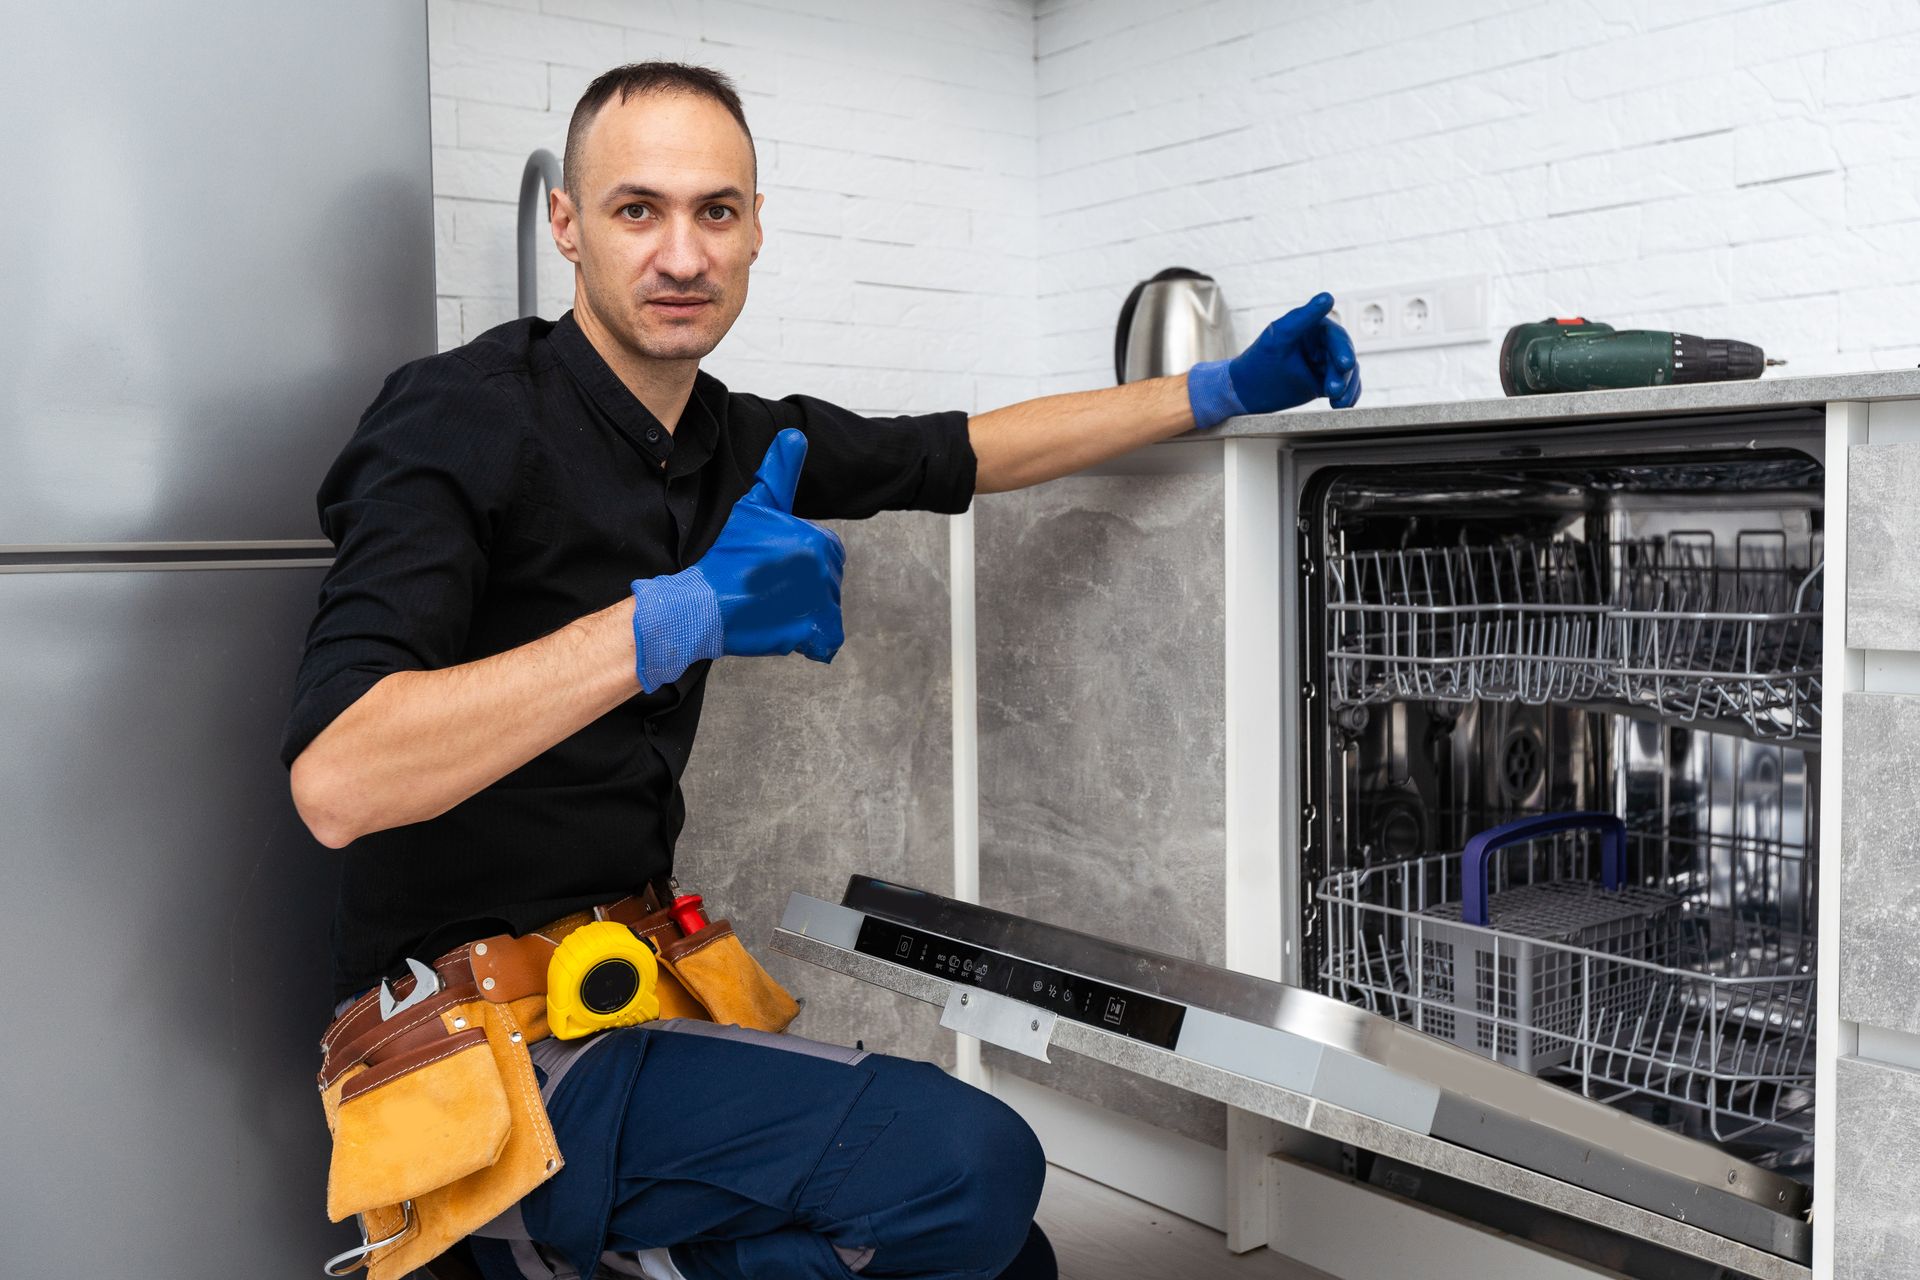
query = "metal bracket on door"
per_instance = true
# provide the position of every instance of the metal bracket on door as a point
(998, 1020)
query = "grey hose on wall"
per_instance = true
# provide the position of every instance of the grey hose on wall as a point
(541, 175)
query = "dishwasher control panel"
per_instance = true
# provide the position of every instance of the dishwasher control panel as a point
(1098, 1004)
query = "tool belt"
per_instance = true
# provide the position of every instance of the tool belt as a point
(430, 1094)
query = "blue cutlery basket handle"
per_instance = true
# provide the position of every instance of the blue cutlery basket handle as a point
(1477, 858)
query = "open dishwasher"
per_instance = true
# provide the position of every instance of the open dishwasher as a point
(1549, 712)
(1559, 765)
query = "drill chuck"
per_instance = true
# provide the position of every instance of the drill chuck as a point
(1715, 359)
(1581, 355)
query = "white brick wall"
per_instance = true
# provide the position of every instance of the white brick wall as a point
(1734, 168)
(897, 147)
(959, 192)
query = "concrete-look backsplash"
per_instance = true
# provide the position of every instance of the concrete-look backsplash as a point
(1102, 745)
(804, 774)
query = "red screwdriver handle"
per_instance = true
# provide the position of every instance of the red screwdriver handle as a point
(687, 914)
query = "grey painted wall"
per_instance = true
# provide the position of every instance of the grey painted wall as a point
(1102, 749)
(804, 774)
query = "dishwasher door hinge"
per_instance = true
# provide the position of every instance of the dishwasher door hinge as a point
(998, 1020)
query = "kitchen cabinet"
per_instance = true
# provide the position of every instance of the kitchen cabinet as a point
(1878, 1131)
(1871, 1149)
(1879, 951)
(1883, 528)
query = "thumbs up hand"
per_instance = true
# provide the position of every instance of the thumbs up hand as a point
(770, 584)
(776, 576)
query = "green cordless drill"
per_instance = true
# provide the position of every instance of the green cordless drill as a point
(1581, 355)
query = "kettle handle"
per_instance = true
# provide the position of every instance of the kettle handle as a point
(1126, 315)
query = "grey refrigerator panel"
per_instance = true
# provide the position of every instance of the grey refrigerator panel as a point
(166, 937)
(216, 240)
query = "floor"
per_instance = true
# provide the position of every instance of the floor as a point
(1100, 1234)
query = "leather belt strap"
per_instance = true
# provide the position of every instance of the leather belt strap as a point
(501, 969)
(361, 1035)
(507, 969)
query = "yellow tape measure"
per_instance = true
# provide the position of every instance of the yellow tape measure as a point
(602, 975)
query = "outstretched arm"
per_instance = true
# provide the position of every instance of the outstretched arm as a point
(1038, 440)
(1299, 357)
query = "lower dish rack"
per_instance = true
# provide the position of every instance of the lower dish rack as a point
(1657, 981)
(1660, 623)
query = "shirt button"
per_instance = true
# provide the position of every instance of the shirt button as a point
(653, 434)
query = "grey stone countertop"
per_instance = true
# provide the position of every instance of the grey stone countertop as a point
(1634, 402)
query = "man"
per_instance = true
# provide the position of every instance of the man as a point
(544, 539)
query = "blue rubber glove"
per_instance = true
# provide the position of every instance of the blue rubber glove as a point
(1301, 356)
(770, 584)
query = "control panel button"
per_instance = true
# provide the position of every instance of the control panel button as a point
(1113, 1009)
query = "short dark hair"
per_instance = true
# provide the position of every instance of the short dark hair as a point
(649, 77)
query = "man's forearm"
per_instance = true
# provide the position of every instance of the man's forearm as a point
(420, 742)
(1039, 440)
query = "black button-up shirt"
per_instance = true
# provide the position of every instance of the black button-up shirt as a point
(493, 494)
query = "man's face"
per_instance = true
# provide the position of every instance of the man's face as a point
(662, 222)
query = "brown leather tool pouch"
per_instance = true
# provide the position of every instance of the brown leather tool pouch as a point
(709, 975)
(438, 1125)
(719, 973)
(437, 1121)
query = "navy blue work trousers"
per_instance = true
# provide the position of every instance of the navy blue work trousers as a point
(758, 1157)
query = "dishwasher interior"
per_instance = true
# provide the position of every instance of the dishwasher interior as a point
(1611, 661)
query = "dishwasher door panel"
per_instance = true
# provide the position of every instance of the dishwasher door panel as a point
(1312, 1063)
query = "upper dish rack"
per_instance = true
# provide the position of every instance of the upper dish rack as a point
(1659, 623)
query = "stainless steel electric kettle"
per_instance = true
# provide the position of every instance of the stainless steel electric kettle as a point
(1169, 324)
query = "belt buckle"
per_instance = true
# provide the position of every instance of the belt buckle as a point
(426, 985)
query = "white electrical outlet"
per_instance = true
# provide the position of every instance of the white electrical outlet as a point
(1435, 313)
